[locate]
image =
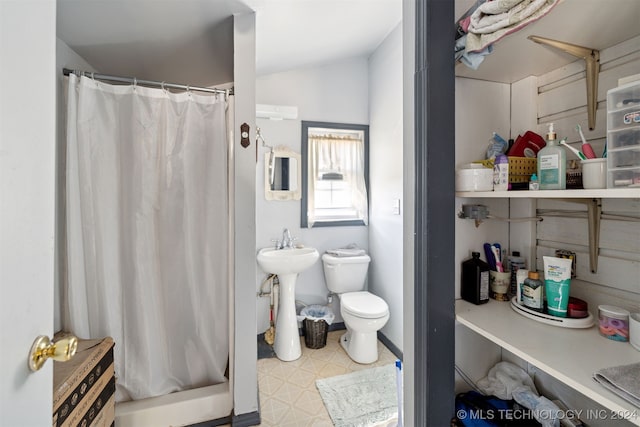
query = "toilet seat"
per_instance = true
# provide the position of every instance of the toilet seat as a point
(364, 304)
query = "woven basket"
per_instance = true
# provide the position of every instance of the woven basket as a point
(315, 333)
(521, 169)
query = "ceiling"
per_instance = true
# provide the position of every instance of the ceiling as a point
(191, 41)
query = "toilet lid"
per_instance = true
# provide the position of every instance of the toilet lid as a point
(364, 304)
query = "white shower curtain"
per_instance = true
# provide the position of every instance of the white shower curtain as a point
(147, 233)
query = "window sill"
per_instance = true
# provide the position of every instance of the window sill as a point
(334, 223)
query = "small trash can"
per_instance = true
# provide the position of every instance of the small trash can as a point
(315, 325)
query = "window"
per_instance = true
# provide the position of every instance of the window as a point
(335, 174)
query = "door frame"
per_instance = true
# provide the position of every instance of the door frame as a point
(434, 222)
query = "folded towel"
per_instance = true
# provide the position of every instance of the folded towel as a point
(350, 250)
(495, 19)
(622, 380)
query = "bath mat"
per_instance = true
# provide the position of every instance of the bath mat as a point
(363, 398)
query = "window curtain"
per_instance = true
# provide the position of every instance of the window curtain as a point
(337, 154)
(147, 233)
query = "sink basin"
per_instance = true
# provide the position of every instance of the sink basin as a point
(287, 261)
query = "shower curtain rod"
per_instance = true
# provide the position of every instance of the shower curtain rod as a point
(67, 71)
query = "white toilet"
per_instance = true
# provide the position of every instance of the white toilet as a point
(363, 313)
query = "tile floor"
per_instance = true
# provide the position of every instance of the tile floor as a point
(288, 393)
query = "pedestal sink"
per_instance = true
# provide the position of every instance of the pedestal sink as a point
(287, 263)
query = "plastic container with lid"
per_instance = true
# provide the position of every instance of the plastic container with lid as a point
(577, 308)
(474, 177)
(613, 322)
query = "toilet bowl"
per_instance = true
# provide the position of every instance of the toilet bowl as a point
(363, 312)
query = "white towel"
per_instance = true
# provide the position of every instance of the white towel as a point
(622, 380)
(495, 19)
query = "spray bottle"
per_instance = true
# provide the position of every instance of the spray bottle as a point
(552, 164)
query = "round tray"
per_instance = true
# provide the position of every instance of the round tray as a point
(563, 322)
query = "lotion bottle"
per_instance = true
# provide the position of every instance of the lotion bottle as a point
(552, 164)
(501, 173)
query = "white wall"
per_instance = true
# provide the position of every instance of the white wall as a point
(336, 92)
(245, 378)
(408, 274)
(481, 108)
(385, 179)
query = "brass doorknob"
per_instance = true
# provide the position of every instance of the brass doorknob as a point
(43, 348)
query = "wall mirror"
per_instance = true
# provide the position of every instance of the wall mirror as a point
(282, 174)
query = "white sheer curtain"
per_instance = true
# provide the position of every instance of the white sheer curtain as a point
(147, 233)
(342, 155)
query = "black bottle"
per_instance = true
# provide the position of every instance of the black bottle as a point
(475, 280)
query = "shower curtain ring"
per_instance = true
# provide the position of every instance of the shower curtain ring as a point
(135, 83)
(162, 86)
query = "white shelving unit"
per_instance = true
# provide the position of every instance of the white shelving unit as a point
(611, 193)
(592, 199)
(570, 355)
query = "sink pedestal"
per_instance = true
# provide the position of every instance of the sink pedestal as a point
(287, 343)
(287, 263)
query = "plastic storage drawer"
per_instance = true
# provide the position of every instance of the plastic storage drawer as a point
(623, 136)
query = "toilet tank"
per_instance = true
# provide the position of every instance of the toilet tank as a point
(345, 274)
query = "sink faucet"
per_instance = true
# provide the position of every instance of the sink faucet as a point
(287, 241)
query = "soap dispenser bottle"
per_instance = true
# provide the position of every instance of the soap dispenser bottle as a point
(552, 164)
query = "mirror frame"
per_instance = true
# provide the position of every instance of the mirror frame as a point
(269, 194)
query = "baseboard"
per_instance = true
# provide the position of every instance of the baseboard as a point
(337, 326)
(213, 423)
(391, 346)
(246, 420)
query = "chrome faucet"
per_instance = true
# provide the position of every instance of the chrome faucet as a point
(287, 241)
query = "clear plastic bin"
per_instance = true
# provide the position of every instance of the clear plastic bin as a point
(623, 136)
